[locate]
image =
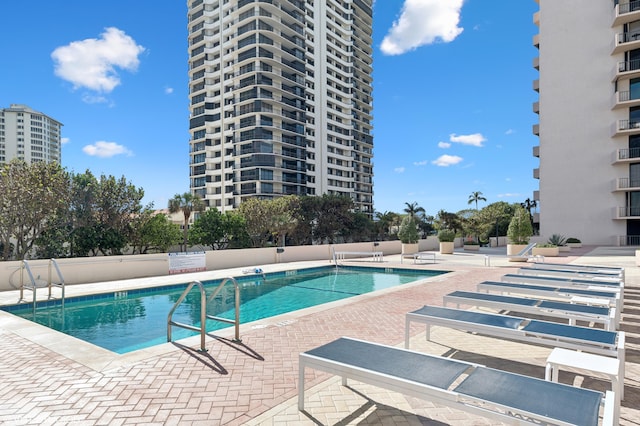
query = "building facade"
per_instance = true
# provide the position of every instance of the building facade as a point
(589, 120)
(280, 100)
(29, 135)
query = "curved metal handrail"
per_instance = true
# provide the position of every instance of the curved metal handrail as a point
(203, 311)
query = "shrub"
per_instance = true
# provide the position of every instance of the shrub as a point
(557, 240)
(520, 229)
(446, 236)
(573, 240)
(408, 232)
(546, 245)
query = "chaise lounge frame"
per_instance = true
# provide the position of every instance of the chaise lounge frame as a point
(556, 309)
(457, 384)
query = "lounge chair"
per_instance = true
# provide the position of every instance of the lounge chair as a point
(494, 394)
(523, 255)
(596, 341)
(549, 308)
(569, 273)
(570, 294)
(613, 270)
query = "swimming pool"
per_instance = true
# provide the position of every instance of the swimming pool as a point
(126, 321)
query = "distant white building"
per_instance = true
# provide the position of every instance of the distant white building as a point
(29, 135)
(589, 120)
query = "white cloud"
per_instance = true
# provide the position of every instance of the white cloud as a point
(399, 170)
(420, 163)
(447, 160)
(509, 195)
(509, 132)
(168, 90)
(64, 141)
(444, 145)
(104, 149)
(423, 22)
(475, 139)
(93, 63)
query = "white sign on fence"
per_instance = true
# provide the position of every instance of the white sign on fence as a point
(180, 263)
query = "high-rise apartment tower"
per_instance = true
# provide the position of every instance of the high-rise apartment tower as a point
(589, 120)
(281, 99)
(28, 135)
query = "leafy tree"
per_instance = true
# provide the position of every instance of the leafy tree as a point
(333, 219)
(362, 227)
(208, 229)
(520, 229)
(281, 217)
(385, 221)
(494, 219)
(32, 195)
(408, 233)
(254, 211)
(475, 197)
(447, 220)
(187, 203)
(154, 232)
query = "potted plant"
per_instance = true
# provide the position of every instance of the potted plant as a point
(519, 233)
(471, 245)
(560, 241)
(446, 238)
(547, 250)
(574, 242)
(408, 234)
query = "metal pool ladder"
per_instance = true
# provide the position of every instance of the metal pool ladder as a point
(203, 311)
(33, 282)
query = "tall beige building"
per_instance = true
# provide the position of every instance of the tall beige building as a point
(29, 135)
(589, 120)
(280, 99)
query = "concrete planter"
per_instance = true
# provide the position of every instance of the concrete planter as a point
(546, 251)
(564, 249)
(446, 247)
(513, 249)
(471, 247)
(574, 245)
(410, 248)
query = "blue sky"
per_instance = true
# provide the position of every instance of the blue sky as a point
(452, 94)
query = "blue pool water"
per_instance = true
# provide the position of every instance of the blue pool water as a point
(125, 321)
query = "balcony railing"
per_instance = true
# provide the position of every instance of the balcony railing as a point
(628, 153)
(629, 240)
(628, 124)
(628, 212)
(626, 12)
(632, 6)
(627, 183)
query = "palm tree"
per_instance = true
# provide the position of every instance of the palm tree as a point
(187, 203)
(413, 209)
(475, 197)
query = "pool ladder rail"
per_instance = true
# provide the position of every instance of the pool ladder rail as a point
(203, 311)
(33, 283)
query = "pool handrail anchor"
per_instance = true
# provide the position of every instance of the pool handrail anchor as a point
(203, 311)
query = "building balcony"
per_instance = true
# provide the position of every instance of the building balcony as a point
(536, 18)
(626, 184)
(536, 85)
(536, 107)
(623, 213)
(536, 129)
(626, 12)
(625, 99)
(536, 63)
(536, 151)
(536, 195)
(626, 127)
(536, 218)
(626, 69)
(623, 42)
(626, 155)
(536, 41)
(536, 173)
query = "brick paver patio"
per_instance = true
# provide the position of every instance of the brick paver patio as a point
(255, 382)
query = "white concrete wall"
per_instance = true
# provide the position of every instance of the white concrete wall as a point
(112, 268)
(576, 119)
